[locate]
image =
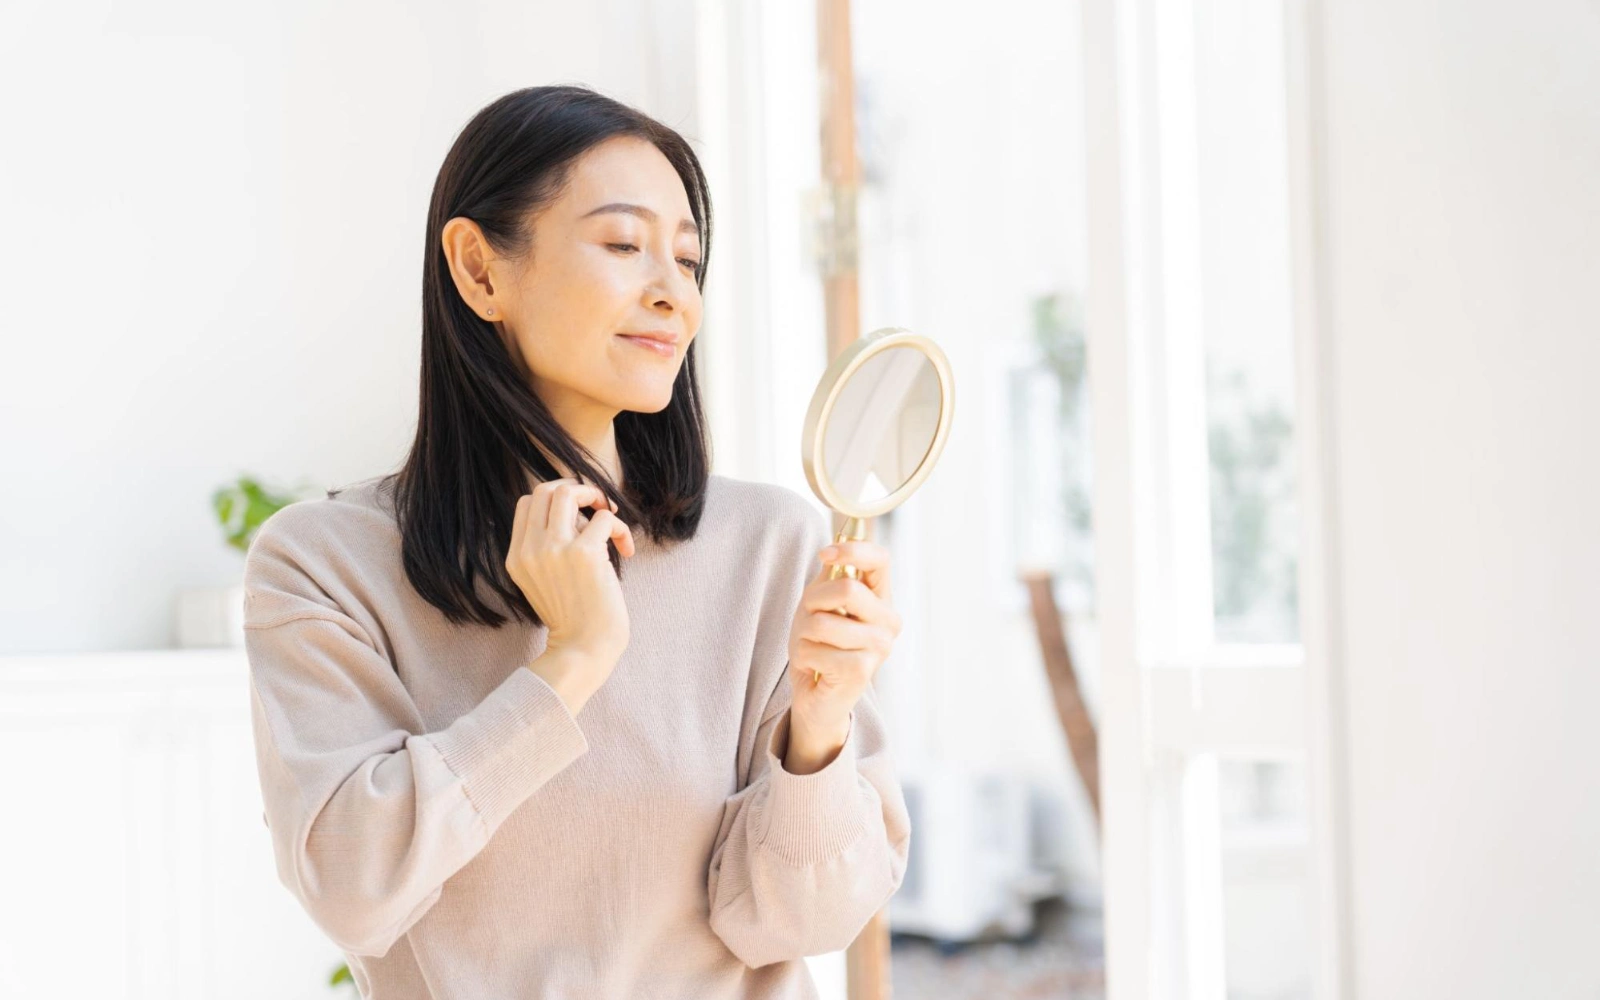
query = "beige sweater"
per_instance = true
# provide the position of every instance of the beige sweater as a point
(445, 819)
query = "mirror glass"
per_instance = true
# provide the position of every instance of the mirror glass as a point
(882, 424)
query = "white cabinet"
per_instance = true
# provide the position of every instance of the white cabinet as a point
(134, 861)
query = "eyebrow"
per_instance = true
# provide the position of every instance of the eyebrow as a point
(686, 226)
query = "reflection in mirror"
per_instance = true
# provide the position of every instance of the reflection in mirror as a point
(882, 424)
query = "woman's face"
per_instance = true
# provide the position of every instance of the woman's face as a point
(615, 254)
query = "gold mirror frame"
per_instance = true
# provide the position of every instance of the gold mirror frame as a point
(834, 379)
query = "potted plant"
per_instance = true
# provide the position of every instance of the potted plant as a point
(342, 977)
(214, 616)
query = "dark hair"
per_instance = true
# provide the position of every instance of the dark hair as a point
(478, 419)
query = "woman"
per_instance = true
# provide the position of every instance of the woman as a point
(494, 763)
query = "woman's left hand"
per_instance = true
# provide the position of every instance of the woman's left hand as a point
(846, 652)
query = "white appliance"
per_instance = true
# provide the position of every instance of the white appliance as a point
(996, 843)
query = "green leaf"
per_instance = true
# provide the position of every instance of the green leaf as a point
(244, 505)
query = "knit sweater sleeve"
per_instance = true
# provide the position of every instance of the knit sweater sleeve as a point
(802, 862)
(369, 812)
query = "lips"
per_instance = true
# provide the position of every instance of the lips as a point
(653, 344)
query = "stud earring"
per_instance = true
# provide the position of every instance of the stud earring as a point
(491, 310)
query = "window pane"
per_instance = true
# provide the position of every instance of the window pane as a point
(1265, 879)
(1243, 187)
(1050, 457)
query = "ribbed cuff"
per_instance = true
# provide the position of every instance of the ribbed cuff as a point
(518, 738)
(813, 817)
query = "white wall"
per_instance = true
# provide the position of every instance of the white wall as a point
(214, 262)
(1463, 259)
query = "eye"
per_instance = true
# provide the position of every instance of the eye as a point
(689, 262)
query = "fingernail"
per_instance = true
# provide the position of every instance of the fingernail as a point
(830, 552)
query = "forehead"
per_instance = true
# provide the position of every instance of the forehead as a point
(631, 170)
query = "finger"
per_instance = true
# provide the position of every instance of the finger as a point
(519, 520)
(840, 632)
(839, 666)
(599, 501)
(853, 597)
(565, 500)
(606, 526)
(539, 507)
(870, 559)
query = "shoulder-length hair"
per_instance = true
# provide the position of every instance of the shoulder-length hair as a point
(478, 420)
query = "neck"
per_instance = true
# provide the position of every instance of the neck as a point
(592, 427)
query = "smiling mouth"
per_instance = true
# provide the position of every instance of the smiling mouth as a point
(659, 347)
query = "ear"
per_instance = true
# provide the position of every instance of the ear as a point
(469, 257)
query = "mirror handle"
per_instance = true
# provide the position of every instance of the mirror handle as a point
(854, 530)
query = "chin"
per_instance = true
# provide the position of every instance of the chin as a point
(657, 405)
(646, 402)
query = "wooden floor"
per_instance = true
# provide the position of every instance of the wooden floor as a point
(1064, 961)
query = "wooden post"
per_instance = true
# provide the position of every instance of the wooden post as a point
(1070, 708)
(841, 175)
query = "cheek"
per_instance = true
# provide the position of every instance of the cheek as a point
(693, 310)
(573, 306)
(587, 288)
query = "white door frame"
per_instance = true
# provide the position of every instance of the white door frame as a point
(1170, 697)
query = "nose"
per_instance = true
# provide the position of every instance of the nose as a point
(669, 288)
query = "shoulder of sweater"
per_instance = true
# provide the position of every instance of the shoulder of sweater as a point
(772, 507)
(308, 551)
(345, 515)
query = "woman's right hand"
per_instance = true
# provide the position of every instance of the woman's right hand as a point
(566, 575)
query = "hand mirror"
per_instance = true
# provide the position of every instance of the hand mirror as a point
(876, 425)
